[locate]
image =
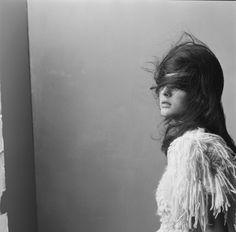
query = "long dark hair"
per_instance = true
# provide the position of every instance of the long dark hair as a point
(191, 66)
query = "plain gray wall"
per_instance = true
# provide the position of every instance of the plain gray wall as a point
(19, 200)
(96, 165)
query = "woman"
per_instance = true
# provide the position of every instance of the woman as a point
(197, 191)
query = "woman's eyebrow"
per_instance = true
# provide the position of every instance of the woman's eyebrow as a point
(153, 87)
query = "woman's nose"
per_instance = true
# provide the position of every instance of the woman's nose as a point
(166, 92)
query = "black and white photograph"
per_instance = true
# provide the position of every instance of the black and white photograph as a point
(117, 116)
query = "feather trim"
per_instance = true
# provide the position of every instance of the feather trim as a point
(203, 170)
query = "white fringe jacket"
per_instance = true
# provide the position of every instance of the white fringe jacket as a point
(200, 175)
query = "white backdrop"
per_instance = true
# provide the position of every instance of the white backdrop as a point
(96, 165)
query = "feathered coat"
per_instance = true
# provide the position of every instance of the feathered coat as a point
(200, 175)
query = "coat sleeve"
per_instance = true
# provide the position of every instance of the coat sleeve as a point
(204, 173)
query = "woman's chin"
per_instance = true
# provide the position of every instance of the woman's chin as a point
(165, 112)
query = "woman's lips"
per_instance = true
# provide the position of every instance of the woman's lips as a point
(165, 104)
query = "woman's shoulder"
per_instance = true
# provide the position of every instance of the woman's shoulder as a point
(198, 141)
(201, 167)
(199, 137)
(198, 134)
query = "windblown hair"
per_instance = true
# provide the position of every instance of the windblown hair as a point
(191, 66)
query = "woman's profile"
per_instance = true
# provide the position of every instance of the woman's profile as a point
(197, 191)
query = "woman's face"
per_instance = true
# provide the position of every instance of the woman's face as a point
(172, 101)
